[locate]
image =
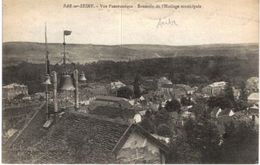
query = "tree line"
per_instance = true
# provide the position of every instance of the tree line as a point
(185, 70)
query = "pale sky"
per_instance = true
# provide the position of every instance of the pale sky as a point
(221, 21)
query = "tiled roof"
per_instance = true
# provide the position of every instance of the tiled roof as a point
(113, 112)
(72, 139)
(16, 118)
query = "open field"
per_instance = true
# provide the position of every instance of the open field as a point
(17, 52)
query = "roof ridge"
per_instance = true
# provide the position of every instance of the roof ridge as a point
(98, 117)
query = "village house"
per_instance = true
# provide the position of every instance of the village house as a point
(79, 138)
(214, 89)
(163, 81)
(253, 98)
(93, 89)
(252, 84)
(12, 90)
(176, 90)
(250, 116)
(253, 113)
(111, 101)
(114, 86)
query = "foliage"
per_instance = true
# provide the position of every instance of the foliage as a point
(201, 143)
(240, 145)
(161, 117)
(219, 101)
(186, 101)
(193, 70)
(182, 153)
(241, 105)
(202, 136)
(164, 130)
(201, 111)
(229, 94)
(173, 105)
(243, 94)
(125, 92)
(148, 125)
(137, 91)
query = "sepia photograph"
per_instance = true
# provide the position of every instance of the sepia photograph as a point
(130, 82)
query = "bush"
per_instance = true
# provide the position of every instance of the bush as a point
(163, 130)
(220, 101)
(125, 92)
(173, 106)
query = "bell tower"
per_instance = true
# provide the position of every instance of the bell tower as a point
(69, 82)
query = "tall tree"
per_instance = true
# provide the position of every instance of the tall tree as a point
(173, 105)
(203, 137)
(240, 145)
(125, 92)
(243, 93)
(137, 91)
(229, 94)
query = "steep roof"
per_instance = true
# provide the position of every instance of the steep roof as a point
(164, 80)
(252, 81)
(253, 96)
(137, 128)
(13, 85)
(218, 84)
(74, 138)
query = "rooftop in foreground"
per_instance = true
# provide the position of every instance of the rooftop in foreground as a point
(74, 138)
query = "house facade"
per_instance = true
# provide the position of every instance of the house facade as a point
(214, 89)
(138, 149)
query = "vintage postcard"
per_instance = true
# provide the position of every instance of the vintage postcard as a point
(130, 81)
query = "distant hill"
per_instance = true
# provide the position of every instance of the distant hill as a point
(17, 52)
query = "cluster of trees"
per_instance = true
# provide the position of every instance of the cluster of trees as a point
(202, 143)
(199, 140)
(187, 70)
(227, 100)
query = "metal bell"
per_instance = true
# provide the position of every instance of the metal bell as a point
(47, 80)
(67, 83)
(82, 77)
